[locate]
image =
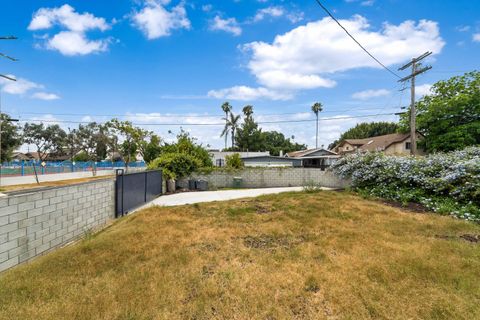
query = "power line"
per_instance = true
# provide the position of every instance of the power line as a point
(353, 38)
(186, 115)
(212, 124)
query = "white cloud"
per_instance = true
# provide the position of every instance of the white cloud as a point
(368, 94)
(207, 7)
(65, 16)
(45, 96)
(476, 37)
(74, 41)
(295, 17)
(422, 90)
(245, 93)
(228, 25)
(273, 11)
(19, 87)
(23, 86)
(462, 28)
(304, 57)
(71, 43)
(155, 21)
(367, 3)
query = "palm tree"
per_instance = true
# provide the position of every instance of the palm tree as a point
(247, 111)
(317, 108)
(227, 108)
(231, 124)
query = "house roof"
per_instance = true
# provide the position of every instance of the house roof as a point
(383, 142)
(304, 153)
(376, 143)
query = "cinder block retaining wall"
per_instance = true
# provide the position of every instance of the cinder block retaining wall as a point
(273, 177)
(33, 223)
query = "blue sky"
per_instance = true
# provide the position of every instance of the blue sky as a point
(168, 62)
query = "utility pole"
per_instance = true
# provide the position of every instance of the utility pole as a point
(413, 113)
(1, 118)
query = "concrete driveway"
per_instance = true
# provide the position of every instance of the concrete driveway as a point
(209, 196)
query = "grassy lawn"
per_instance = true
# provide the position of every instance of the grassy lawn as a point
(325, 255)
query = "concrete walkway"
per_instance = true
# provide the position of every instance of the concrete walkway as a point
(209, 196)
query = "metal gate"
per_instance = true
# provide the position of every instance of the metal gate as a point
(134, 189)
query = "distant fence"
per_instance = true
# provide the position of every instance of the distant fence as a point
(26, 168)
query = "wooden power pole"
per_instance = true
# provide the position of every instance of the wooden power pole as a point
(415, 72)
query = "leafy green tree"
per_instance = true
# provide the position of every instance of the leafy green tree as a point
(317, 108)
(231, 125)
(366, 130)
(82, 156)
(227, 108)
(91, 140)
(11, 138)
(234, 161)
(185, 144)
(249, 137)
(449, 117)
(152, 149)
(175, 164)
(47, 139)
(274, 142)
(132, 139)
(72, 143)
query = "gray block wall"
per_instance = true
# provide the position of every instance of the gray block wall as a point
(273, 177)
(34, 223)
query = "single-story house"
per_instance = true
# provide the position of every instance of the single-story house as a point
(19, 156)
(393, 144)
(315, 158)
(311, 158)
(271, 161)
(218, 157)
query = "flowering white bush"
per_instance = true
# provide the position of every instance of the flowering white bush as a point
(447, 183)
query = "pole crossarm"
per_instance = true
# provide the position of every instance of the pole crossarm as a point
(416, 73)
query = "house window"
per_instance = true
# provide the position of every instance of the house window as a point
(408, 145)
(220, 163)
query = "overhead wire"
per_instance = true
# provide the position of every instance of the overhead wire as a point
(356, 41)
(205, 124)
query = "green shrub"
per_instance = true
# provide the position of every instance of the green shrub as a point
(234, 161)
(176, 165)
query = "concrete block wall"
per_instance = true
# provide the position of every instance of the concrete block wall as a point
(273, 177)
(34, 223)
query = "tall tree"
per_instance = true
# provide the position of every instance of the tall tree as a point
(231, 124)
(274, 142)
(449, 117)
(366, 130)
(227, 108)
(317, 108)
(91, 140)
(249, 136)
(122, 140)
(11, 138)
(152, 149)
(49, 139)
(247, 111)
(72, 144)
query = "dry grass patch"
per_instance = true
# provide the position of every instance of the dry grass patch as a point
(325, 255)
(29, 186)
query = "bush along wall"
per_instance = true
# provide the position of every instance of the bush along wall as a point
(446, 183)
